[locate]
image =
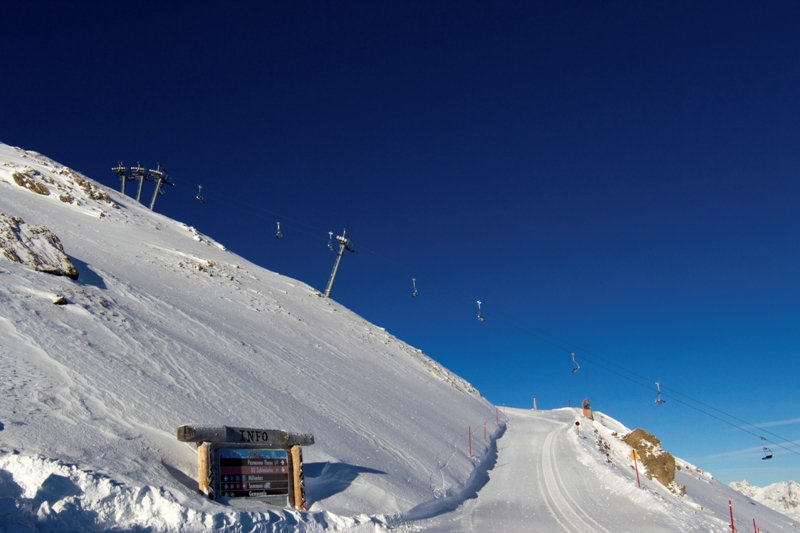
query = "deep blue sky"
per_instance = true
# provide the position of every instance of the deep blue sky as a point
(624, 176)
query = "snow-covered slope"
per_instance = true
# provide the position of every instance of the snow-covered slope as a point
(784, 497)
(164, 327)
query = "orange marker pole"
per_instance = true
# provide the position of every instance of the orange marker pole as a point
(638, 482)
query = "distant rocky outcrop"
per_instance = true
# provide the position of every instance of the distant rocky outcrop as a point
(34, 246)
(659, 463)
(783, 496)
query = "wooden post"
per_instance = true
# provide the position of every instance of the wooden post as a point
(204, 468)
(298, 481)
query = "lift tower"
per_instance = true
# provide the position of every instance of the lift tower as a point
(344, 244)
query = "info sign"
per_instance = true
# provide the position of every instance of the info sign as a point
(261, 474)
(260, 464)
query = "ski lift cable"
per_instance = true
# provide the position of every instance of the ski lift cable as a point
(588, 355)
(733, 417)
(526, 328)
(559, 343)
(647, 384)
(699, 410)
(245, 206)
(737, 427)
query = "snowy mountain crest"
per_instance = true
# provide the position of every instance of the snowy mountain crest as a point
(41, 175)
(783, 497)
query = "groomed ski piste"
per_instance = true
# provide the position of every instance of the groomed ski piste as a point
(164, 326)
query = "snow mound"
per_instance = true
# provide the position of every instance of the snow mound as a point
(37, 494)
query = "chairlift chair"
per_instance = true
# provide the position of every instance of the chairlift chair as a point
(480, 316)
(659, 401)
(200, 194)
(767, 451)
(575, 364)
(414, 283)
(278, 233)
(330, 242)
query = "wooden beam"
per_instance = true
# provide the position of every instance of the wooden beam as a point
(264, 437)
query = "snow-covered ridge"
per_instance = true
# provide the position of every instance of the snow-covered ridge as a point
(783, 497)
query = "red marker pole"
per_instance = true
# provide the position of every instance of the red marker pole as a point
(470, 441)
(638, 482)
(733, 528)
(755, 529)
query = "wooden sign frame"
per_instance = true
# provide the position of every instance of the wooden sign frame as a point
(211, 440)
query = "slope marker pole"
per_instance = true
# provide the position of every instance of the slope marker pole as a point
(733, 528)
(470, 441)
(636, 464)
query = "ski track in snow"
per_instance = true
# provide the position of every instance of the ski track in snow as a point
(557, 495)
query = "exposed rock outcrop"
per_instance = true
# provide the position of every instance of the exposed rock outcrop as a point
(34, 246)
(660, 464)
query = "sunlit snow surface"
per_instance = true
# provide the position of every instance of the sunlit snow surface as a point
(164, 327)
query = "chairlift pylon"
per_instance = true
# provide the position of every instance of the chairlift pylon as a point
(480, 316)
(575, 364)
(200, 194)
(414, 284)
(659, 401)
(767, 451)
(330, 242)
(278, 233)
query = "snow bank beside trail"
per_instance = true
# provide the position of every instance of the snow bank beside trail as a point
(39, 494)
(609, 457)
